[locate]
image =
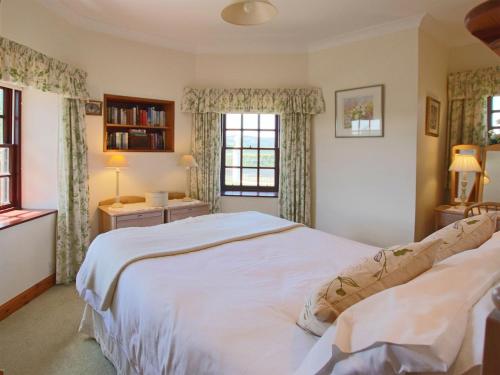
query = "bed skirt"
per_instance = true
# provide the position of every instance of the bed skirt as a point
(93, 326)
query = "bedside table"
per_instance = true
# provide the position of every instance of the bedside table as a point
(130, 215)
(446, 214)
(177, 209)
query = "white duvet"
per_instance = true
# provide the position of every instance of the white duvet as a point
(226, 310)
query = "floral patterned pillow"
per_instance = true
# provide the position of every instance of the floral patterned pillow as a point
(465, 234)
(388, 268)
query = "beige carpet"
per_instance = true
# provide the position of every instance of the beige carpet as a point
(42, 338)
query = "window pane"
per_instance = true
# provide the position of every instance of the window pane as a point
(233, 138)
(266, 177)
(4, 191)
(250, 158)
(233, 158)
(250, 121)
(233, 121)
(4, 161)
(268, 122)
(250, 138)
(249, 177)
(495, 120)
(232, 176)
(267, 139)
(496, 103)
(2, 131)
(267, 158)
(1, 101)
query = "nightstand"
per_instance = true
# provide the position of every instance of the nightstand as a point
(446, 214)
(178, 209)
(130, 215)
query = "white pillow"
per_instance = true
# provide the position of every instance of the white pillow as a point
(415, 327)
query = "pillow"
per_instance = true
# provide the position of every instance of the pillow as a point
(388, 268)
(465, 234)
(419, 326)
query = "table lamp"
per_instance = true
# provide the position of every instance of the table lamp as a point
(188, 162)
(464, 164)
(117, 161)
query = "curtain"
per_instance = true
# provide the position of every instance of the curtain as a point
(27, 67)
(206, 148)
(296, 107)
(73, 213)
(295, 161)
(467, 98)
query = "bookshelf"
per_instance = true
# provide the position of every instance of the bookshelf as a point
(138, 124)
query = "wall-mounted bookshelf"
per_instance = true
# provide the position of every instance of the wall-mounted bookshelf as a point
(138, 124)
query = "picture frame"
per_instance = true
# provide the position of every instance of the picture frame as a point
(359, 112)
(93, 108)
(432, 116)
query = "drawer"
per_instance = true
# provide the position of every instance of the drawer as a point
(185, 212)
(145, 219)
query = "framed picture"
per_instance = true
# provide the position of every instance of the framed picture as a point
(432, 115)
(93, 108)
(359, 112)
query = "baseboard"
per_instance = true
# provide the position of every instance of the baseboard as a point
(29, 294)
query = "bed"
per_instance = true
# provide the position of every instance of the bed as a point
(229, 308)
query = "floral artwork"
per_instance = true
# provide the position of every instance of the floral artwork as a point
(432, 117)
(359, 112)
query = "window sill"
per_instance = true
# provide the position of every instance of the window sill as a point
(15, 217)
(250, 194)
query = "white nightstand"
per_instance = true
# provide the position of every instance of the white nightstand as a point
(130, 215)
(446, 214)
(178, 209)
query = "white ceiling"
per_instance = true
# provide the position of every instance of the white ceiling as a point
(301, 25)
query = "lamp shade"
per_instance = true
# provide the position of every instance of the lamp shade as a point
(249, 12)
(465, 163)
(187, 161)
(116, 161)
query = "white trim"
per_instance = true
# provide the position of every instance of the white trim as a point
(407, 23)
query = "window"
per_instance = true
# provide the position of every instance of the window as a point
(10, 164)
(250, 154)
(494, 114)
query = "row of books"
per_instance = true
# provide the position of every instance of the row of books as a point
(135, 139)
(135, 116)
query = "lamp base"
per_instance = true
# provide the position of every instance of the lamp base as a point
(117, 205)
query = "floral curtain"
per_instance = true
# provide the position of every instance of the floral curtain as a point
(296, 107)
(467, 98)
(25, 66)
(73, 216)
(206, 146)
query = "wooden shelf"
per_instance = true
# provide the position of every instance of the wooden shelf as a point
(116, 107)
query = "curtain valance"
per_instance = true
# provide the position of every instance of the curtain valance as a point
(474, 84)
(303, 100)
(25, 66)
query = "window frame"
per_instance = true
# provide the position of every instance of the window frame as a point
(251, 191)
(489, 114)
(12, 106)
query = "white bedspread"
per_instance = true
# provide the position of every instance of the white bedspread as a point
(227, 310)
(112, 252)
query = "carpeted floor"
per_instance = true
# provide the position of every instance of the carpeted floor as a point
(42, 338)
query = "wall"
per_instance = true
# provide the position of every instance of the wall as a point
(432, 73)
(365, 188)
(26, 262)
(470, 57)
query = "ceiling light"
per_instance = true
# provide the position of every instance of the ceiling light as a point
(249, 12)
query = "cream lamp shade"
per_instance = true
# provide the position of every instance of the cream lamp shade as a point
(249, 12)
(465, 163)
(117, 161)
(187, 161)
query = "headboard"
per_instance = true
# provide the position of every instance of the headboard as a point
(136, 199)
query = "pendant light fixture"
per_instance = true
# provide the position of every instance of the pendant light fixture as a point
(249, 12)
(484, 23)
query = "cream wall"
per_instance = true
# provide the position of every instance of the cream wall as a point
(365, 188)
(27, 255)
(432, 74)
(472, 56)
